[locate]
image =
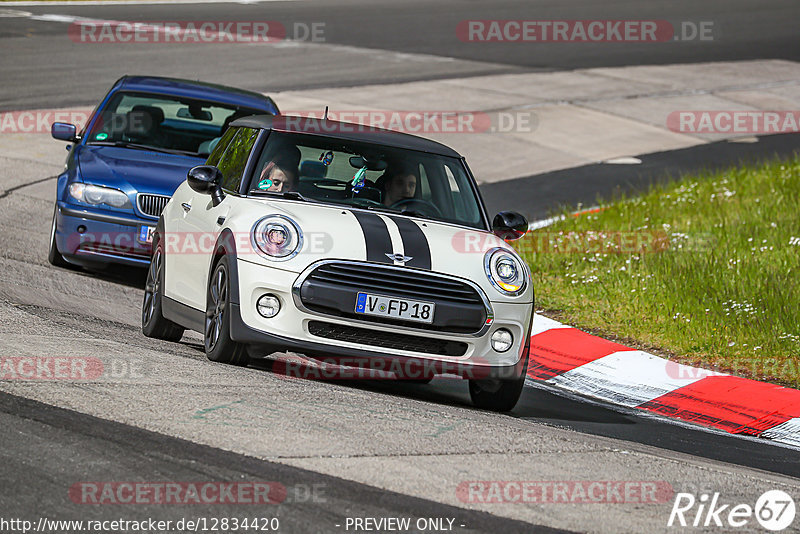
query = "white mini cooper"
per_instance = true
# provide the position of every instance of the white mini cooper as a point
(337, 240)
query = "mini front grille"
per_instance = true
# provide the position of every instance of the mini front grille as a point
(387, 340)
(151, 205)
(331, 289)
(406, 283)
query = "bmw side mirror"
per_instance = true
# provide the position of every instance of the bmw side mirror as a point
(64, 131)
(205, 179)
(509, 225)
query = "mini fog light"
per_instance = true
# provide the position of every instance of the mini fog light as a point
(268, 306)
(502, 340)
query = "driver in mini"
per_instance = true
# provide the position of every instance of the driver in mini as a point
(400, 183)
(280, 174)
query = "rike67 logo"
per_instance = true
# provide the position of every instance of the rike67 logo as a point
(774, 510)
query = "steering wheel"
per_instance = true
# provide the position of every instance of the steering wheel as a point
(424, 206)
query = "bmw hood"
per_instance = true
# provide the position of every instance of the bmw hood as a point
(132, 170)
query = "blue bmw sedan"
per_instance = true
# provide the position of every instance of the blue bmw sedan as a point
(126, 163)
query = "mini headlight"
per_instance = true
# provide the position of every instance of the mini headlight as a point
(95, 194)
(505, 271)
(276, 237)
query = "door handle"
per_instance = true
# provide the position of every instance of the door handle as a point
(186, 207)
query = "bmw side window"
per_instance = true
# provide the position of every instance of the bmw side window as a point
(216, 154)
(234, 160)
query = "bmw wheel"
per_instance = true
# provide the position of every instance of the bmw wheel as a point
(53, 255)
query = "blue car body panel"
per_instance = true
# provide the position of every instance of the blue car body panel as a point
(91, 234)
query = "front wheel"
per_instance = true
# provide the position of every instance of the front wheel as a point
(53, 255)
(153, 322)
(216, 334)
(497, 395)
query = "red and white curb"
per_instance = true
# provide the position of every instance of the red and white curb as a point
(573, 360)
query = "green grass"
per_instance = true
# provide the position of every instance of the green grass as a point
(704, 270)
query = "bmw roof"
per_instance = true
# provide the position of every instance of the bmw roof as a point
(196, 89)
(345, 130)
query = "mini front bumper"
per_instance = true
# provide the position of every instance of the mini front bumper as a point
(290, 330)
(92, 236)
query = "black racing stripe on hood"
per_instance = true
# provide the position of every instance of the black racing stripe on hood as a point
(415, 244)
(376, 236)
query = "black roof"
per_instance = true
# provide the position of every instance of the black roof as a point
(346, 131)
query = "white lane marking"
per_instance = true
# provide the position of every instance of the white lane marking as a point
(544, 223)
(138, 2)
(623, 160)
(375, 53)
(543, 324)
(12, 13)
(629, 377)
(788, 432)
(55, 17)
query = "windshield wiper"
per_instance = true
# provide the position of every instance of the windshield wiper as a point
(125, 144)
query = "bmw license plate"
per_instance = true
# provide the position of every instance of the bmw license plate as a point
(146, 234)
(395, 308)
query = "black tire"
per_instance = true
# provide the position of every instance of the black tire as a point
(497, 395)
(53, 255)
(153, 322)
(216, 332)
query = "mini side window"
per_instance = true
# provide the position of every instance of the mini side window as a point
(222, 144)
(234, 160)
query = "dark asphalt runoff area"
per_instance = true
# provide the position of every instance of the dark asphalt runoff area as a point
(42, 67)
(47, 448)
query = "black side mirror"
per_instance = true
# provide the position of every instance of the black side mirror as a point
(64, 131)
(205, 179)
(509, 225)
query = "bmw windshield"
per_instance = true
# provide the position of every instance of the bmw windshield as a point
(164, 123)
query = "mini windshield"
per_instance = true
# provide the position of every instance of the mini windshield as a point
(368, 176)
(165, 123)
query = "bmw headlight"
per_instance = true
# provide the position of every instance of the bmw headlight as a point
(276, 237)
(95, 194)
(505, 271)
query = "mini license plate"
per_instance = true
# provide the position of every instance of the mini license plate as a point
(146, 234)
(396, 308)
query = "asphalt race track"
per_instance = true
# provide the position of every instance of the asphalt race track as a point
(342, 450)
